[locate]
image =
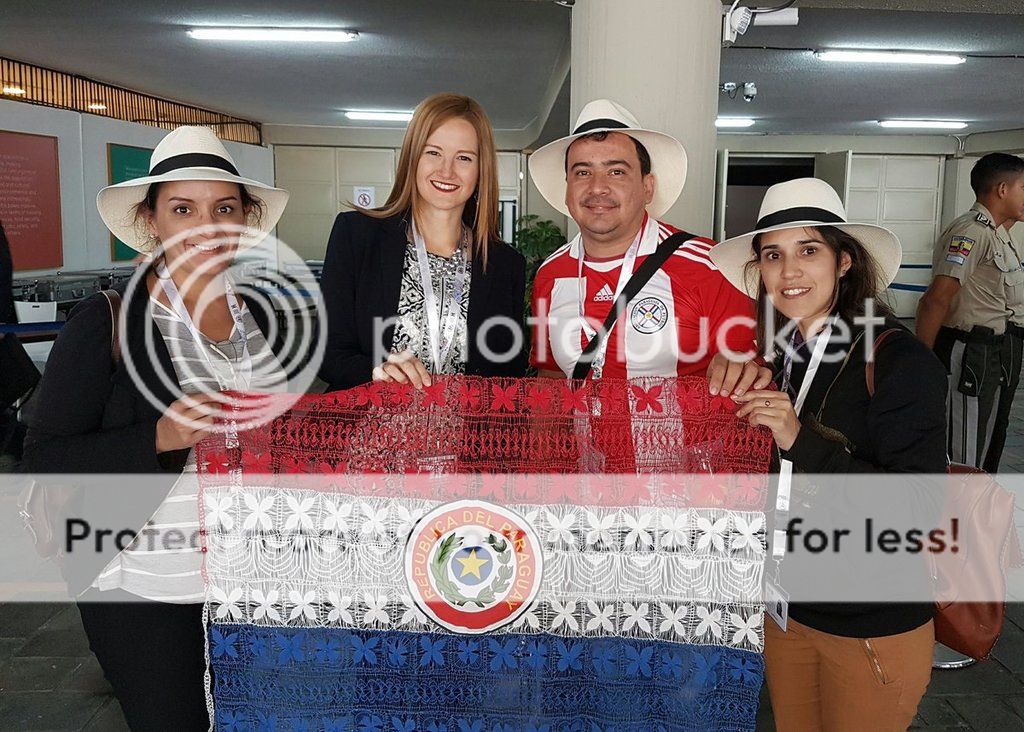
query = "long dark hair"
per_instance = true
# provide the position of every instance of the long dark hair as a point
(860, 284)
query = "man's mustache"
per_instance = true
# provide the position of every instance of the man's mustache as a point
(599, 201)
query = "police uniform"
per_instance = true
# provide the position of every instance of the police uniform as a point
(1010, 365)
(970, 343)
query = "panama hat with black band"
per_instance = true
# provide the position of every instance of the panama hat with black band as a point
(668, 157)
(797, 204)
(187, 153)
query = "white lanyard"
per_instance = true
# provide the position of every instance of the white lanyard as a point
(440, 343)
(628, 262)
(786, 466)
(178, 305)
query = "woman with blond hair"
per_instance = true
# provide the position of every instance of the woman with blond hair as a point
(423, 285)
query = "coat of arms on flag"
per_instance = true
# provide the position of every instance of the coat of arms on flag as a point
(472, 566)
(384, 559)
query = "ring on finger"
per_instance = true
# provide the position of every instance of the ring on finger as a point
(767, 402)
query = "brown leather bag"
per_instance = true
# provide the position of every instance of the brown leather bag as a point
(986, 510)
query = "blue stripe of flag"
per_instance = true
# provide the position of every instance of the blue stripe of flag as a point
(276, 678)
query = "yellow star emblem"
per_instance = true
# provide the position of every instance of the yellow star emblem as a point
(471, 564)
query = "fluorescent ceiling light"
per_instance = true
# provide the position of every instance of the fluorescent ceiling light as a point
(891, 57)
(15, 90)
(97, 106)
(734, 122)
(375, 116)
(923, 124)
(288, 35)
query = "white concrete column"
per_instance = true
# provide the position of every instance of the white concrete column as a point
(659, 59)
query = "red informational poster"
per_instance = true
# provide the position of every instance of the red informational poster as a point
(30, 199)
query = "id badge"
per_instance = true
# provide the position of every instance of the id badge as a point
(776, 602)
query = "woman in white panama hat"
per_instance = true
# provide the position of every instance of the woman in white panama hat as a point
(839, 666)
(140, 409)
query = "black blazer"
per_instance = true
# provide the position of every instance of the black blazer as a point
(362, 280)
(89, 416)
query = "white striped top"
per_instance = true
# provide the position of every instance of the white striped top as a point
(174, 574)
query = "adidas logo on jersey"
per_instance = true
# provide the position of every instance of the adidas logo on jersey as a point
(605, 294)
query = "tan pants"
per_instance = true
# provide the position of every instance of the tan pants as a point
(820, 681)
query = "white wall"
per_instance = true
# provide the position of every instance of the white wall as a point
(535, 204)
(82, 145)
(903, 193)
(321, 181)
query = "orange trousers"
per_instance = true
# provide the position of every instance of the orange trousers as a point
(820, 681)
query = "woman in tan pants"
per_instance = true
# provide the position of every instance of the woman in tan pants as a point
(839, 666)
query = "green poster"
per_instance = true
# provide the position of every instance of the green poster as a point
(125, 163)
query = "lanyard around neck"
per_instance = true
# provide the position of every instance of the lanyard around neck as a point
(178, 306)
(440, 341)
(786, 466)
(625, 273)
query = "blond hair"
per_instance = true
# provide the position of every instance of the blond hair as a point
(481, 211)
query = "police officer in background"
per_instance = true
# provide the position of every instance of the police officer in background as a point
(1009, 364)
(977, 285)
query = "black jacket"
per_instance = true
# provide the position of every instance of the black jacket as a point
(362, 280)
(90, 416)
(902, 429)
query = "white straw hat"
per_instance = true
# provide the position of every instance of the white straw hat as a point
(668, 157)
(795, 204)
(187, 153)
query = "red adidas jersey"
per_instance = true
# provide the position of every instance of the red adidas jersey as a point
(682, 317)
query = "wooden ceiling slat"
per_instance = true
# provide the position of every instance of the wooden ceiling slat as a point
(66, 91)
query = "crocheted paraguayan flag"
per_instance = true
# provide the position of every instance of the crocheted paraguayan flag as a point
(386, 559)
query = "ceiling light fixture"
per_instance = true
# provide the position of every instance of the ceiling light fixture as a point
(16, 91)
(97, 106)
(923, 124)
(891, 57)
(734, 122)
(285, 35)
(368, 115)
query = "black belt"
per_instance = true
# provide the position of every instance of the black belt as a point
(977, 334)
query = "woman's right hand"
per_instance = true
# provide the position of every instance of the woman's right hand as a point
(404, 368)
(187, 421)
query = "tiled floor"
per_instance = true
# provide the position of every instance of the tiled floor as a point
(48, 678)
(50, 681)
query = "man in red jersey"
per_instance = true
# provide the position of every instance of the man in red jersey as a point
(614, 178)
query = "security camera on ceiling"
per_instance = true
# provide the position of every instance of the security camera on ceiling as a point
(746, 89)
(737, 20)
